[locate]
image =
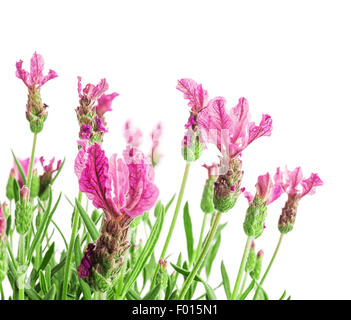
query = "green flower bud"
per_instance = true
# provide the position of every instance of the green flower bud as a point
(23, 212)
(36, 111)
(162, 276)
(192, 146)
(251, 259)
(255, 218)
(207, 205)
(35, 185)
(288, 215)
(227, 187)
(9, 187)
(255, 274)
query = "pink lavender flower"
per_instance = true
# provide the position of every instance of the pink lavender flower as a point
(93, 104)
(266, 190)
(293, 183)
(193, 92)
(46, 178)
(35, 78)
(36, 111)
(133, 136)
(155, 137)
(118, 186)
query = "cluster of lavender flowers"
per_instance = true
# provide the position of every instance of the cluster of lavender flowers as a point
(102, 258)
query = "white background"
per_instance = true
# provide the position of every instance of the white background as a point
(289, 59)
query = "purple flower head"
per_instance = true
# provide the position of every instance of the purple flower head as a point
(35, 78)
(85, 131)
(84, 269)
(25, 166)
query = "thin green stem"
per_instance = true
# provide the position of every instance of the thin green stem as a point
(244, 282)
(29, 179)
(2, 291)
(174, 220)
(201, 258)
(70, 249)
(242, 267)
(204, 221)
(270, 264)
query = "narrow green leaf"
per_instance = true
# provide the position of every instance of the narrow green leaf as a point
(188, 232)
(89, 224)
(32, 294)
(169, 203)
(184, 272)
(133, 295)
(212, 254)
(51, 293)
(58, 172)
(152, 295)
(20, 169)
(210, 295)
(42, 282)
(283, 295)
(247, 291)
(226, 282)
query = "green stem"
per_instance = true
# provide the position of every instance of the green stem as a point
(241, 269)
(201, 258)
(244, 282)
(204, 220)
(2, 291)
(270, 264)
(29, 179)
(174, 220)
(70, 249)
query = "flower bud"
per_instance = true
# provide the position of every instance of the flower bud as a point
(192, 146)
(207, 205)
(102, 262)
(251, 259)
(227, 187)
(255, 274)
(255, 218)
(162, 276)
(9, 187)
(36, 112)
(35, 185)
(23, 212)
(288, 215)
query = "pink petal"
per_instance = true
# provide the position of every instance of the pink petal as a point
(22, 74)
(194, 93)
(309, 185)
(119, 174)
(264, 186)
(264, 129)
(133, 136)
(95, 181)
(105, 103)
(36, 69)
(2, 223)
(248, 196)
(81, 158)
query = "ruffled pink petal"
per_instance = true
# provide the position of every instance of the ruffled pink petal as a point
(216, 122)
(119, 174)
(249, 196)
(264, 186)
(22, 74)
(142, 193)
(275, 194)
(81, 158)
(239, 132)
(36, 69)
(95, 181)
(293, 179)
(263, 129)
(194, 93)
(51, 75)
(104, 103)
(2, 223)
(309, 185)
(80, 87)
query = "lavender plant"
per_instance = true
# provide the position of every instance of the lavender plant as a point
(103, 258)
